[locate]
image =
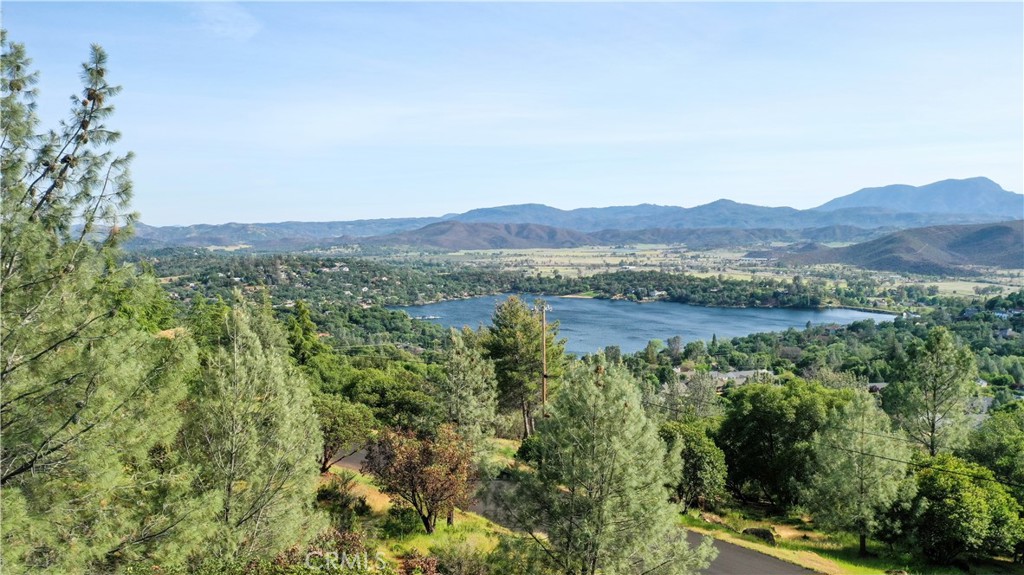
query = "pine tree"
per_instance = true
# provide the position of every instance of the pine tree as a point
(695, 398)
(597, 484)
(89, 387)
(303, 335)
(468, 391)
(930, 399)
(252, 431)
(858, 472)
(513, 343)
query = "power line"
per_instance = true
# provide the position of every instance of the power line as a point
(679, 411)
(882, 435)
(920, 465)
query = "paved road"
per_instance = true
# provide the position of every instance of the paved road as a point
(736, 560)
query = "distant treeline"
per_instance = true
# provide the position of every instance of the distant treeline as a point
(355, 280)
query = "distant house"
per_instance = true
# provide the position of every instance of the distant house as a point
(736, 377)
(977, 409)
(832, 328)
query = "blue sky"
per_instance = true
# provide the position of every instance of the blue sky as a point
(252, 112)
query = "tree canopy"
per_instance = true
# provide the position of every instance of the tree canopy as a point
(596, 483)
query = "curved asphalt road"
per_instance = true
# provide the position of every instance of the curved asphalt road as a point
(736, 560)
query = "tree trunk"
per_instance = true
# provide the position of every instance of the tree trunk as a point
(427, 523)
(863, 545)
(526, 420)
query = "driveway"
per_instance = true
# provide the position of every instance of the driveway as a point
(736, 560)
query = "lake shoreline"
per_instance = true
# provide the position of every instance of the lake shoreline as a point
(821, 308)
(580, 296)
(592, 323)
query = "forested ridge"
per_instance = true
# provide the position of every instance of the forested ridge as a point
(191, 413)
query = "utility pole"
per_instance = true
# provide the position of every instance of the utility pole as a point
(544, 360)
(542, 307)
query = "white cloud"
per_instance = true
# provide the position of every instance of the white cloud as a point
(227, 20)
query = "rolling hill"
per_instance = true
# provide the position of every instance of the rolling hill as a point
(268, 233)
(936, 250)
(452, 235)
(483, 236)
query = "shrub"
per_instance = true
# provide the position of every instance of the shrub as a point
(401, 521)
(336, 496)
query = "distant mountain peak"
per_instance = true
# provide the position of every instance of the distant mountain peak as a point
(721, 202)
(976, 196)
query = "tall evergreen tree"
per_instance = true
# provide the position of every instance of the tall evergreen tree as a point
(467, 393)
(514, 344)
(859, 469)
(303, 335)
(697, 397)
(89, 387)
(597, 484)
(930, 399)
(252, 431)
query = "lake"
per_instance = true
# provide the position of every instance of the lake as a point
(591, 324)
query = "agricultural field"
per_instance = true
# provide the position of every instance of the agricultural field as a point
(731, 263)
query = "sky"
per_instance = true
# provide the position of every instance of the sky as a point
(263, 112)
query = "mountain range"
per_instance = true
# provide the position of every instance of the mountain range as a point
(862, 215)
(456, 235)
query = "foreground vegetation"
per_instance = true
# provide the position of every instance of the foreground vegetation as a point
(203, 428)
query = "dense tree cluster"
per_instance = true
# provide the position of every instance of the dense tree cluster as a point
(327, 280)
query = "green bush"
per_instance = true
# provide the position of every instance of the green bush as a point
(336, 496)
(460, 559)
(401, 521)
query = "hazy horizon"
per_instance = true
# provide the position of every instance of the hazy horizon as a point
(331, 111)
(440, 215)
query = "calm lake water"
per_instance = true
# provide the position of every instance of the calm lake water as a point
(591, 324)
